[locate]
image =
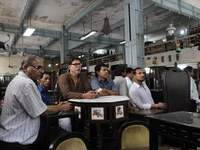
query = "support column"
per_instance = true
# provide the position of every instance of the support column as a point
(133, 21)
(64, 53)
(87, 55)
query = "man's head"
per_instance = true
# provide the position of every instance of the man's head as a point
(190, 70)
(74, 65)
(45, 80)
(138, 75)
(120, 71)
(101, 70)
(129, 73)
(32, 65)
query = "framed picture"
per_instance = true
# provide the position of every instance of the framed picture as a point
(78, 109)
(97, 113)
(119, 110)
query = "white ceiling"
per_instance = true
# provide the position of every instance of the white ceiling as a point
(52, 14)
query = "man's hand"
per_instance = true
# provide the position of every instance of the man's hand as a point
(90, 95)
(162, 105)
(66, 106)
(133, 108)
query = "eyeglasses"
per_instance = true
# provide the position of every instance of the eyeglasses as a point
(76, 64)
(40, 68)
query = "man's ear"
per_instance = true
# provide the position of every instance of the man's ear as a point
(25, 67)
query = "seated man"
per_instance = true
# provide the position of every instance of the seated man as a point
(120, 82)
(193, 90)
(43, 88)
(140, 93)
(74, 84)
(101, 83)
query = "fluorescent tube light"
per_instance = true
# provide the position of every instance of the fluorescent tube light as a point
(122, 42)
(29, 32)
(88, 34)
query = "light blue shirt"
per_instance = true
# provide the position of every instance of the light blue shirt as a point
(97, 83)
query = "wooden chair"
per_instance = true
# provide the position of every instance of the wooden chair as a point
(70, 141)
(133, 134)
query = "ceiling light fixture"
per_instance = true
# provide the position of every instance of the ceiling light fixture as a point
(29, 30)
(122, 42)
(88, 34)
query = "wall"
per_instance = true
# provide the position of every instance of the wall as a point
(15, 62)
(187, 55)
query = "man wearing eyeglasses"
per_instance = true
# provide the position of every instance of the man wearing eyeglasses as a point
(23, 106)
(74, 84)
(140, 93)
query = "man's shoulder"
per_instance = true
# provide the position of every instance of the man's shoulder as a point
(94, 79)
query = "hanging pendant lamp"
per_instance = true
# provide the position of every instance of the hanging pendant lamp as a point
(106, 27)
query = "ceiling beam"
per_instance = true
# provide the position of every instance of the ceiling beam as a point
(98, 47)
(164, 25)
(94, 39)
(180, 7)
(50, 40)
(94, 5)
(25, 12)
(33, 51)
(76, 45)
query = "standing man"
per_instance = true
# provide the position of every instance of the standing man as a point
(64, 123)
(193, 90)
(120, 82)
(101, 83)
(23, 106)
(74, 84)
(140, 93)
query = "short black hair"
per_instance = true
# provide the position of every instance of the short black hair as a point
(129, 70)
(119, 69)
(134, 71)
(72, 58)
(188, 69)
(46, 72)
(98, 68)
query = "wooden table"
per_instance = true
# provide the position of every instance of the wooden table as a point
(141, 113)
(147, 148)
(181, 126)
(102, 110)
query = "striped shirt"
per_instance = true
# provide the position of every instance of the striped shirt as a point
(20, 118)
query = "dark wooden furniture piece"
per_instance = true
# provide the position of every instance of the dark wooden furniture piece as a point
(141, 113)
(102, 110)
(48, 131)
(176, 90)
(147, 148)
(69, 140)
(181, 126)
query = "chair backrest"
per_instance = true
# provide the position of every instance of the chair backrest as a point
(70, 141)
(133, 134)
(176, 90)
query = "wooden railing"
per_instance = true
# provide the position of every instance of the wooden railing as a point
(105, 59)
(185, 42)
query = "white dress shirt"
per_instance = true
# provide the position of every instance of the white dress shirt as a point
(141, 96)
(193, 91)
